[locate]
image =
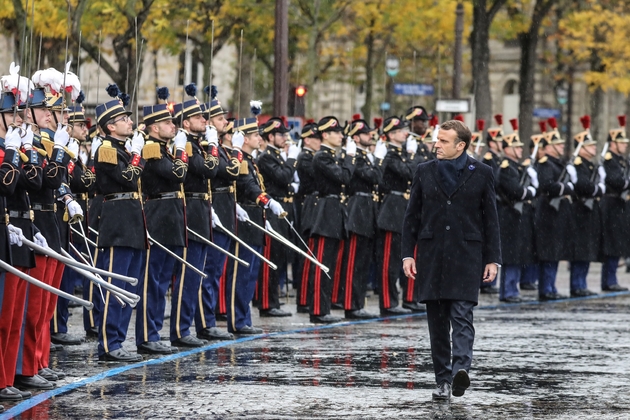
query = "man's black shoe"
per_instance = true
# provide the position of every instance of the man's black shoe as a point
(214, 333)
(92, 333)
(461, 382)
(324, 319)
(551, 296)
(273, 312)
(1, 409)
(153, 347)
(120, 355)
(395, 311)
(59, 373)
(301, 309)
(49, 376)
(414, 306)
(582, 293)
(512, 299)
(33, 382)
(10, 394)
(442, 392)
(220, 317)
(614, 288)
(189, 341)
(529, 286)
(24, 394)
(336, 306)
(55, 347)
(489, 290)
(249, 330)
(360, 314)
(65, 339)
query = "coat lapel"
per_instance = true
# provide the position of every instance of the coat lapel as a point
(437, 176)
(468, 171)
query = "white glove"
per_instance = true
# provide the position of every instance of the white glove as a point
(275, 207)
(296, 186)
(74, 209)
(602, 173)
(370, 157)
(238, 139)
(13, 140)
(296, 177)
(83, 156)
(62, 137)
(351, 147)
(571, 186)
(40, 240)
(137, 143)
(241, 214)
(533, 176)
(412, 145)
(96, 143)
(73, 147)
(15, 235)
(380, 151)
(27, 140)
(293, 152)
(128, 145)
(215, 220)
(572, 173)
(212, 137)
(533, 190)
(180, 140)
(268, 226)
(602, 187)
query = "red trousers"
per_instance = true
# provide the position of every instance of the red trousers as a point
(11, 317)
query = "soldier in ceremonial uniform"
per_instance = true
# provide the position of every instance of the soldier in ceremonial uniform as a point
(589, 187)
(398, 172)
(476, 141)
(554, 218)
(516, 216)
(306, 197)
(164, 209)
(418, 126)
(277, 175)
(16, 174)
(361, 224)
(123, 239)
(328, 226)
(615, 221)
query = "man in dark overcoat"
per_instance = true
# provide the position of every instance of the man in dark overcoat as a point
(452, 219)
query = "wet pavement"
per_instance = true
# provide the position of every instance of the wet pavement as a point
(563, 360)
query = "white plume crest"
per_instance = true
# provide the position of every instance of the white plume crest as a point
(13, 81)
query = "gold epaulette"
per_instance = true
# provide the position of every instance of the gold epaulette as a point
(543, 159)
(107, 153)
(48, 144)
(151, 150)
(505, 163)
(244, 168)
(527, 162)
(577, 161)
(204, 143)
(487, 156)
(608, 156)
(189, 150)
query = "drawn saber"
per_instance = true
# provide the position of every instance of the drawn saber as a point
(301, 240)
(71, 262)
(247, 247)
(177, 257)
(212, 244)
(9, 268)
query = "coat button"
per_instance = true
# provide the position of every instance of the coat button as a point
(448, 202)
(448, 228)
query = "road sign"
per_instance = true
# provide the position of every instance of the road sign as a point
(460, 106)
(296, 124)
(546, 113)
(413, 89)
(392, 66)
(385, 106)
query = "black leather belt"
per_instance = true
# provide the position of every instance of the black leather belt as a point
(43, 207)
(122, 196)
(167, 195)
(22, 214)
(284, 199)
(222, 190)
(332, 196)
(82, 196)
(363, 194)
(400, 193)
(198, 196)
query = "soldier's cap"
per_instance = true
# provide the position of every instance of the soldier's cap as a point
(618, 135)
(213, 109)
(310, 130)
(394, 123)
(7, 102)
(156, 113)
(229, 128)
(272, 126)
(76, 114)
(110, 110)
(246, 125)
(54, 102)
(37, 99)
(494, 134)
(359, 127)
(190, 108)
(416, 113)
(475, 139)
(329, 124)
(512, 140)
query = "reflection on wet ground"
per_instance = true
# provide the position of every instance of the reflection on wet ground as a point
(561, 361)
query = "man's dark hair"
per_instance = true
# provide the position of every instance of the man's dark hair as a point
(105, 127)
(463, 133)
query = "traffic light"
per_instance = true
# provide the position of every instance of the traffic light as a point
(297, 101)
(300, 91)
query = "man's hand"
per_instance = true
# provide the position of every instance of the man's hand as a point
(409, 266)
(490, 272)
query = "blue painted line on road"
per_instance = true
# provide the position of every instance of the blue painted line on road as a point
(40, 398)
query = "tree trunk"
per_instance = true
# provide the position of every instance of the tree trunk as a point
(479, 39)
(369, 78)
